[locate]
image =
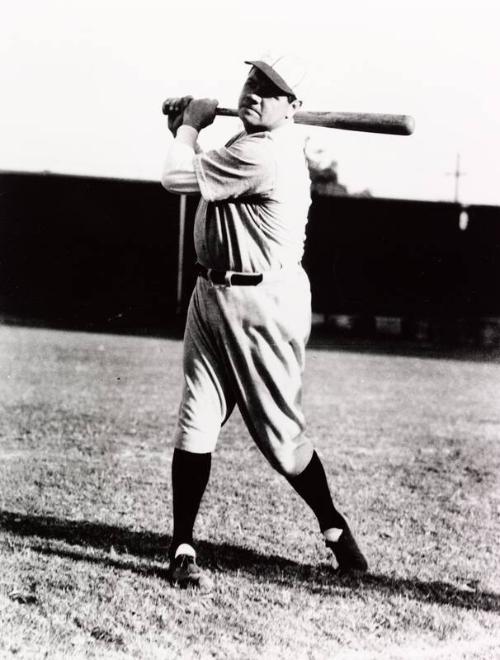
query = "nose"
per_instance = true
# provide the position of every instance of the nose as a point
(252, 98)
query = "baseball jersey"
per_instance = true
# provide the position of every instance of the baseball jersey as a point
(255, 199)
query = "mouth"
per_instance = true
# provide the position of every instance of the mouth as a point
(247, 109)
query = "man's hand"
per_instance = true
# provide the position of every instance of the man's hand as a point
(176, 107)
(200, 113)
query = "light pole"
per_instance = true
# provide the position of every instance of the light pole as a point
(458, 174)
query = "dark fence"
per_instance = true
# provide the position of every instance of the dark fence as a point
(87, 251)
(92, 252)
(403, 258)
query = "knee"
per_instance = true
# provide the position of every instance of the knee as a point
(291, 462)
(285, 465)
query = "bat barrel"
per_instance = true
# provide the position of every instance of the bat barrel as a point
(359, 121)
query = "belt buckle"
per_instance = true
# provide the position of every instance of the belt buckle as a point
(227, 279)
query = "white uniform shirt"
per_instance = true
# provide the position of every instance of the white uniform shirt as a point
(255, 199)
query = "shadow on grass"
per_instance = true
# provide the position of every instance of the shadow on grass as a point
(120, 544)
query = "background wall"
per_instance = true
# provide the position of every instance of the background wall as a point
(87, 251)
(396, 257)
(91, 252)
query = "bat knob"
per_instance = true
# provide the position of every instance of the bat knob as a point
(167, 104)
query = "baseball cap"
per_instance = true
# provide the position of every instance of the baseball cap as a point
(286, 71)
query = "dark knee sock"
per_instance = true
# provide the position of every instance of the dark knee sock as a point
(190, 473)
(312, 486)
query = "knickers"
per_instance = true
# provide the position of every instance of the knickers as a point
(245, 346)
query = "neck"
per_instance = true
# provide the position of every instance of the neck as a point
(259, 129)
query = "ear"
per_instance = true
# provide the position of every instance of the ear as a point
(295, 105)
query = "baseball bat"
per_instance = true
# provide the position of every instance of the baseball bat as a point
(368, 122)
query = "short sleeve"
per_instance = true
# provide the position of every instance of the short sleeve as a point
(244, 168)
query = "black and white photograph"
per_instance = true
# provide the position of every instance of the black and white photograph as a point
(250, 330)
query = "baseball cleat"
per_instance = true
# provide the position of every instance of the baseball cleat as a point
(184, 572)
(349, 557)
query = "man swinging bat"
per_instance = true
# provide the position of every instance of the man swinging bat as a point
(250, 312)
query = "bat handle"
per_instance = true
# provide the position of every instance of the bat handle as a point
(221, 112)
(226, 112)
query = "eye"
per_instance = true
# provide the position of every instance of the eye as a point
(271, 91)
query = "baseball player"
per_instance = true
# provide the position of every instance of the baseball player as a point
(249, 315)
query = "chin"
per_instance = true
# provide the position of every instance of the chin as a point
(250, 119)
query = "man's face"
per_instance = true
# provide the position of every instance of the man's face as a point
(262, 105)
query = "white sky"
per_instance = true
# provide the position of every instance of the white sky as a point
(82, 83)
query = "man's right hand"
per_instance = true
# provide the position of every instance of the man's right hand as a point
(176, 107)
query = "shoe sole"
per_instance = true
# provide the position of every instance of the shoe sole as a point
(203, 584)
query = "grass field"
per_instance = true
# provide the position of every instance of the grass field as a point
(412, 449)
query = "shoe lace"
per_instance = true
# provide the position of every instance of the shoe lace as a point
(185, 561)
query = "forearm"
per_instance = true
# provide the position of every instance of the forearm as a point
(178, 174)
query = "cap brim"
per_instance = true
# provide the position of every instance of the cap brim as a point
(272, 75)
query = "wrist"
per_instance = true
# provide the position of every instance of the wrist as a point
(187, 135)
(192, 124)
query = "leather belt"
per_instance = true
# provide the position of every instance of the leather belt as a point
(228, 277)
